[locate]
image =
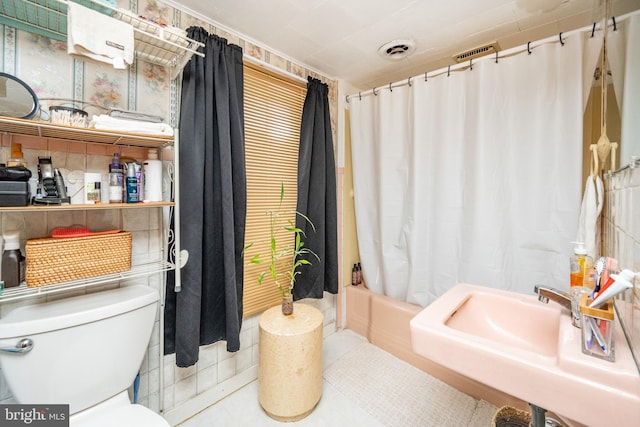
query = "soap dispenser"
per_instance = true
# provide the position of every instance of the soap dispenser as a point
(581, 264)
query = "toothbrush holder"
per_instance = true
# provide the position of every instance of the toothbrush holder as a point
(598, 330)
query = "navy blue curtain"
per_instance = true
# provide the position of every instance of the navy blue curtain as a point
(212, 203)
(317, 195)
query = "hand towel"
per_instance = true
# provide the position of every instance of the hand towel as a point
(588, 226)
(99, 37)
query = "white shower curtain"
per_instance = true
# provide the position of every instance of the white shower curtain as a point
(473, 177)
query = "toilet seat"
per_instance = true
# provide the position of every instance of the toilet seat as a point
(130, 415)
(117, 411)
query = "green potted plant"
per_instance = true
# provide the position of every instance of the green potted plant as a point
(285, 259)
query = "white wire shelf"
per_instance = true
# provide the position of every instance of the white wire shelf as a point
(138, 271)
(167, 46)
(95, 136)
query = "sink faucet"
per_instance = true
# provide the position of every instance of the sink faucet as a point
(546, 293)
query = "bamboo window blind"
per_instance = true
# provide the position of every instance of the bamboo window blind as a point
(273, 114)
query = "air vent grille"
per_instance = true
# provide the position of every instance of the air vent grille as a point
(397, 49)
(476, 52)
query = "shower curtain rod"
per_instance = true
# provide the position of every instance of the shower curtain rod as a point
(505, 54)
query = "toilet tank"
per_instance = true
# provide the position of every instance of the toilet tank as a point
(86, 349)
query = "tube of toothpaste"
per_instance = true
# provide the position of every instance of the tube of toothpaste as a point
(621, 282)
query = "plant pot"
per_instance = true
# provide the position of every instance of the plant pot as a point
(287, 305)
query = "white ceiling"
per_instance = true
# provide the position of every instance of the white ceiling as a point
(340, 38)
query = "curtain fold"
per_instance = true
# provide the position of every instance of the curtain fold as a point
(213, 203)
(317, 195)
(473, 177)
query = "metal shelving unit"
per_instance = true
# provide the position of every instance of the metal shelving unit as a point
(154, 43)
(93, 136)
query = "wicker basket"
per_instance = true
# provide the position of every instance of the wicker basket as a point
(56, 260)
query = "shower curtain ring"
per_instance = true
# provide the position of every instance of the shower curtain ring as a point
(615, 27)
(593, 29)
(496, 57)
(390, 88)
(425, 76)
(560, 36)
(374, 92)
(360, 96)
(471, 64)
(529, 47)
(449, 71)
(346, 98)
(409, 81)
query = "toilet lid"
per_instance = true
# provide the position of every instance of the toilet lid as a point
(129, 415)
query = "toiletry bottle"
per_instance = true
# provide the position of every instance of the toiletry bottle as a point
(152, 177)
(359, 274)
(12, 260)
(132, 184)
(354, 275)
(116, 179)
(17, 157)
(578, 261)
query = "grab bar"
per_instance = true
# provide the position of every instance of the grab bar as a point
(23, 346)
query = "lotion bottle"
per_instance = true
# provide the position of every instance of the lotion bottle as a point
(152, 177)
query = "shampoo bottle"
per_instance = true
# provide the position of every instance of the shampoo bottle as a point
(116, 179)
(152, 177)
(132, 184)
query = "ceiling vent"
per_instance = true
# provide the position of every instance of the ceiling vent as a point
(477, 52)
(397, 49)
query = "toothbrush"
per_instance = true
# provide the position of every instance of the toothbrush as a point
(600, 267)
(596, 331)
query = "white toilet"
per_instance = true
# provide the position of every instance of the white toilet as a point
(85, 351)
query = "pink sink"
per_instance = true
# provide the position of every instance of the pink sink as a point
(530, 350)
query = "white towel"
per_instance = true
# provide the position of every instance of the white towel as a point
(588, 227)
(105, 122)
(91, 34)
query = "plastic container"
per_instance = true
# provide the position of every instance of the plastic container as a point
(12, 260)
(598, 330)
(581, 263)
(152, 177)
(68, 116)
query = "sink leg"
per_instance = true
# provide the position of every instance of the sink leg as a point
(538, 418)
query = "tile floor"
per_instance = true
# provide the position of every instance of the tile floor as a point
(243, 409)
(334, 409)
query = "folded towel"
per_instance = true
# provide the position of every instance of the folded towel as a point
(99, 37)
(134, 115)
(105, 122)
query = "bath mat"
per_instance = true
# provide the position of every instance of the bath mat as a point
(399, 394)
